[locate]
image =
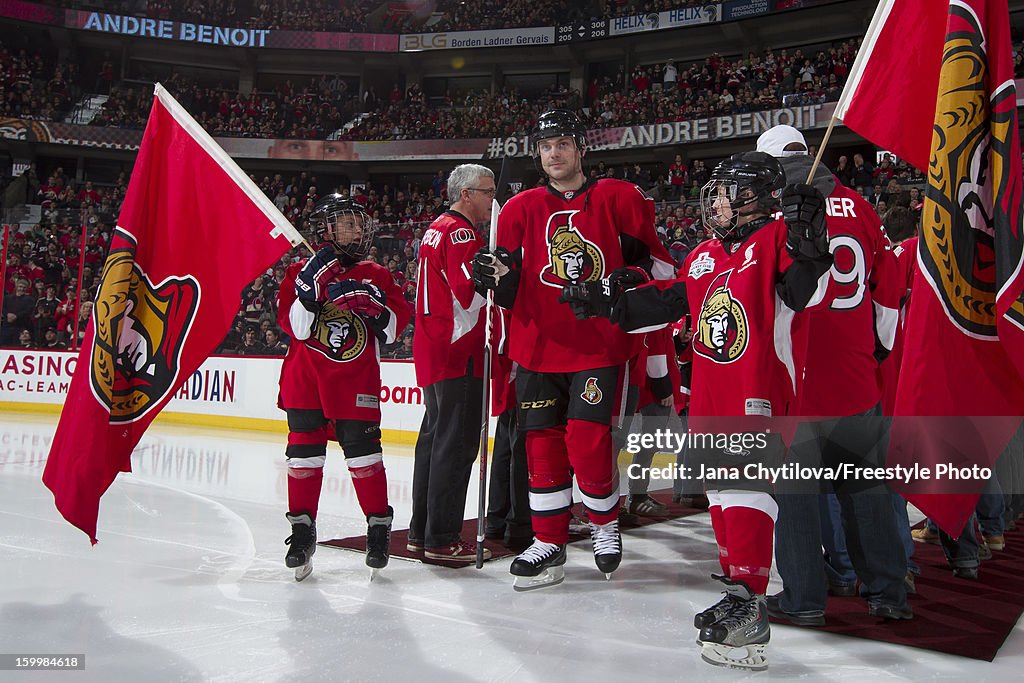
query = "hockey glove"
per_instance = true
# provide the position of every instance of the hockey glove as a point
(490, 268)
(361, 298)
(628, 278)
(312, 281)
(803, 208)
(593, 299)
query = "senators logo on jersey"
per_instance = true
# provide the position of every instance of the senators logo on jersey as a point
(592, 393)
(339, 335)
(139, 330)
(972, 161)
(572, 259)
(722, 330)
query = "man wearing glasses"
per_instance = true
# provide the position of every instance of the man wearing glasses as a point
(448, 351)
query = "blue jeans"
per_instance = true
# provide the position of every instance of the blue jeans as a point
(963, 551)
(990, 509)
(867, 517)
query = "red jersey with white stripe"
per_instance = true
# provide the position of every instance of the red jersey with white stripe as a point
(334, 364)
(837, 366)
(568, 238)
(742, 344)
(449, 312)
(661, 363)
(906, 267)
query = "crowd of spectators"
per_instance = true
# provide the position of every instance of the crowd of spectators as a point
(378, 16)
(34, 86)
(41, 303)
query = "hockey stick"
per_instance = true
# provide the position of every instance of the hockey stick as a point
(486, 411)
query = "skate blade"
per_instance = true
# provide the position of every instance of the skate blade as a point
(373, 574)
(549, 577)
(607, 576)
(303, 571)
(745, 657)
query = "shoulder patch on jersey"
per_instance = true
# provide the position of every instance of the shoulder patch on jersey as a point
(462, 235)
(701, 266)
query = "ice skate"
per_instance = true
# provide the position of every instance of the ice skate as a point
(301, 545)
(539, 566)
(738, 639)
(607, 546)
(378, 541)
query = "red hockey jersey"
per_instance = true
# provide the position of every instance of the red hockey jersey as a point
(575, 237)
(334, 364)
(837, 368)
(449, 312)
(742, 345)
(661, 365)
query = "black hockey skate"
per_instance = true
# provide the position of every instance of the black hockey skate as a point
(539, 566)
(738, 639)
(301, 545)
(607, 546)
(378, 541)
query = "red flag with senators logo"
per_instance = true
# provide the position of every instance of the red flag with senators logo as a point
(193, 231)
(964, 344)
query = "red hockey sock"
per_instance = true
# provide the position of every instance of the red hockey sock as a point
(750, 522)
(589, 447)
(550, 484)
(370, 480)
(718, 524)
(304, 490)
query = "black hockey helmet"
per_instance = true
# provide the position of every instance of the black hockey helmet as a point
(555, 124)
(744, 184)
(345, 224)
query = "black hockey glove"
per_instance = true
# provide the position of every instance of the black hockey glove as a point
(596, 299)
(589, 299)
(363, 299)
(490, 268)
(803, 208)
(312, 281)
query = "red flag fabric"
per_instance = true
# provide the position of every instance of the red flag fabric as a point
(193, 231)
(890, 93)
(965, 332)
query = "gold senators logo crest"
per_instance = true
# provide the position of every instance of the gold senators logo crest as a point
(339, 335)
(973, 193)
(139, 330)
(571, 258)
(722, 330)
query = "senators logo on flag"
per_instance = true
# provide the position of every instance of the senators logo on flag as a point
(971, 149)
(139, 332)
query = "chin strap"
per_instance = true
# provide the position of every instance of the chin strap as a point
(746, 230)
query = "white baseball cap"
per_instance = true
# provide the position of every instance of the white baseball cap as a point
(775, 140)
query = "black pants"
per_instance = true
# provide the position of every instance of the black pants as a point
(445, 450)
(508, 497)
(868, 519)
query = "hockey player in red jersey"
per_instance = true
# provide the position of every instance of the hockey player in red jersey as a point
(338, 310)
(571, 377)
(858, 321)
(742, 290)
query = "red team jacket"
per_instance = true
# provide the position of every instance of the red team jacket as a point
(576, 237)
(449, 312)
(337, 368)
(838, 372)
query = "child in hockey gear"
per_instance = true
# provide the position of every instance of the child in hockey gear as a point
(301, 545)
(741, 288)
(378, 541)
(735, 633)
(541, 565)
(338, 310)
(568, 385)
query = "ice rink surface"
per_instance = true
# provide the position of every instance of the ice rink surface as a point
(188, 583)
